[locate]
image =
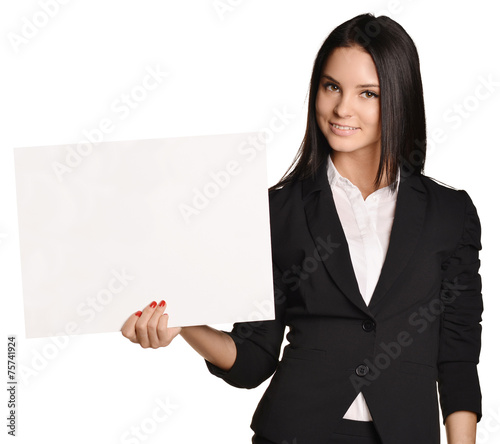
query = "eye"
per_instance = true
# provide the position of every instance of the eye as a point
(369, 94)
(331, 86)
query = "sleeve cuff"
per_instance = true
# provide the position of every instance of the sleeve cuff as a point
(459, 388)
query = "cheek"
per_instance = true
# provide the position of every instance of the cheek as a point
(323, 105)
(372, 118)
(319, 107)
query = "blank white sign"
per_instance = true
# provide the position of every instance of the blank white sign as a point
(107, 228)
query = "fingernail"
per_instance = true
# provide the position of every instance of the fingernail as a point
(153, 304)
(162, 304)
(138, 313)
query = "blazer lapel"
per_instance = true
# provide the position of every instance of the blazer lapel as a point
(325, 226)
(408, 223)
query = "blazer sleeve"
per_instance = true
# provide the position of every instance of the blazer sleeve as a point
(460, 334)
(258, 344)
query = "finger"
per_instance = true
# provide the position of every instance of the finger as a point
(128, 328)
(164, 335)
(141, 327)
(153, 325)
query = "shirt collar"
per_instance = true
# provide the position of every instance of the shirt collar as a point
(335, 178)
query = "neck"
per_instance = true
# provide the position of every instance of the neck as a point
(360, 170)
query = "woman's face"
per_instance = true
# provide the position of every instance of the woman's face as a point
(348, 104)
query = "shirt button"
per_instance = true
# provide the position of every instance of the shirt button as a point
(368, 325)
(362, 370)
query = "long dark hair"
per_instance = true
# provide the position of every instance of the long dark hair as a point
(403, 135)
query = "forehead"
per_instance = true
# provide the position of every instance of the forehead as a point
(351, 65)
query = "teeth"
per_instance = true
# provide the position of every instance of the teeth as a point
(343, 127)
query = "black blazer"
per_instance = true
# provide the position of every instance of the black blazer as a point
(420, 329)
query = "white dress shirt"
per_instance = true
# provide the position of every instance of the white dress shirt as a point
(367, 227)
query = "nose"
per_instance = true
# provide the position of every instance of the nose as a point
(343, 107)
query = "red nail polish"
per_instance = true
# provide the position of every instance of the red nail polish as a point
(138, 313)
(153, 304)
(162, 304)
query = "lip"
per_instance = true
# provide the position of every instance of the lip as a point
(341, 132)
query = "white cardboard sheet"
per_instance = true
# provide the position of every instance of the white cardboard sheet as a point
(107, 228)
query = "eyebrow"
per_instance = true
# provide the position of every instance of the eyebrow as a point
(367, 85)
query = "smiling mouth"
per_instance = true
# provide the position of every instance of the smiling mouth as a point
(343, 127)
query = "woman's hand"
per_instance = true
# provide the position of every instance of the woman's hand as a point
(149, 327)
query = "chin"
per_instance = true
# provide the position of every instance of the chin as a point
(343, 147)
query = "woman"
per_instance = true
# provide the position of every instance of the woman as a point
(375, 269)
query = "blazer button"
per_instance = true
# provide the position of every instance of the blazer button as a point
(368, 325)
(362, 370)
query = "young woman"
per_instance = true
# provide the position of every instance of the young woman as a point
(375, 269)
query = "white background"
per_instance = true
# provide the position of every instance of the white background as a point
(229, 70)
